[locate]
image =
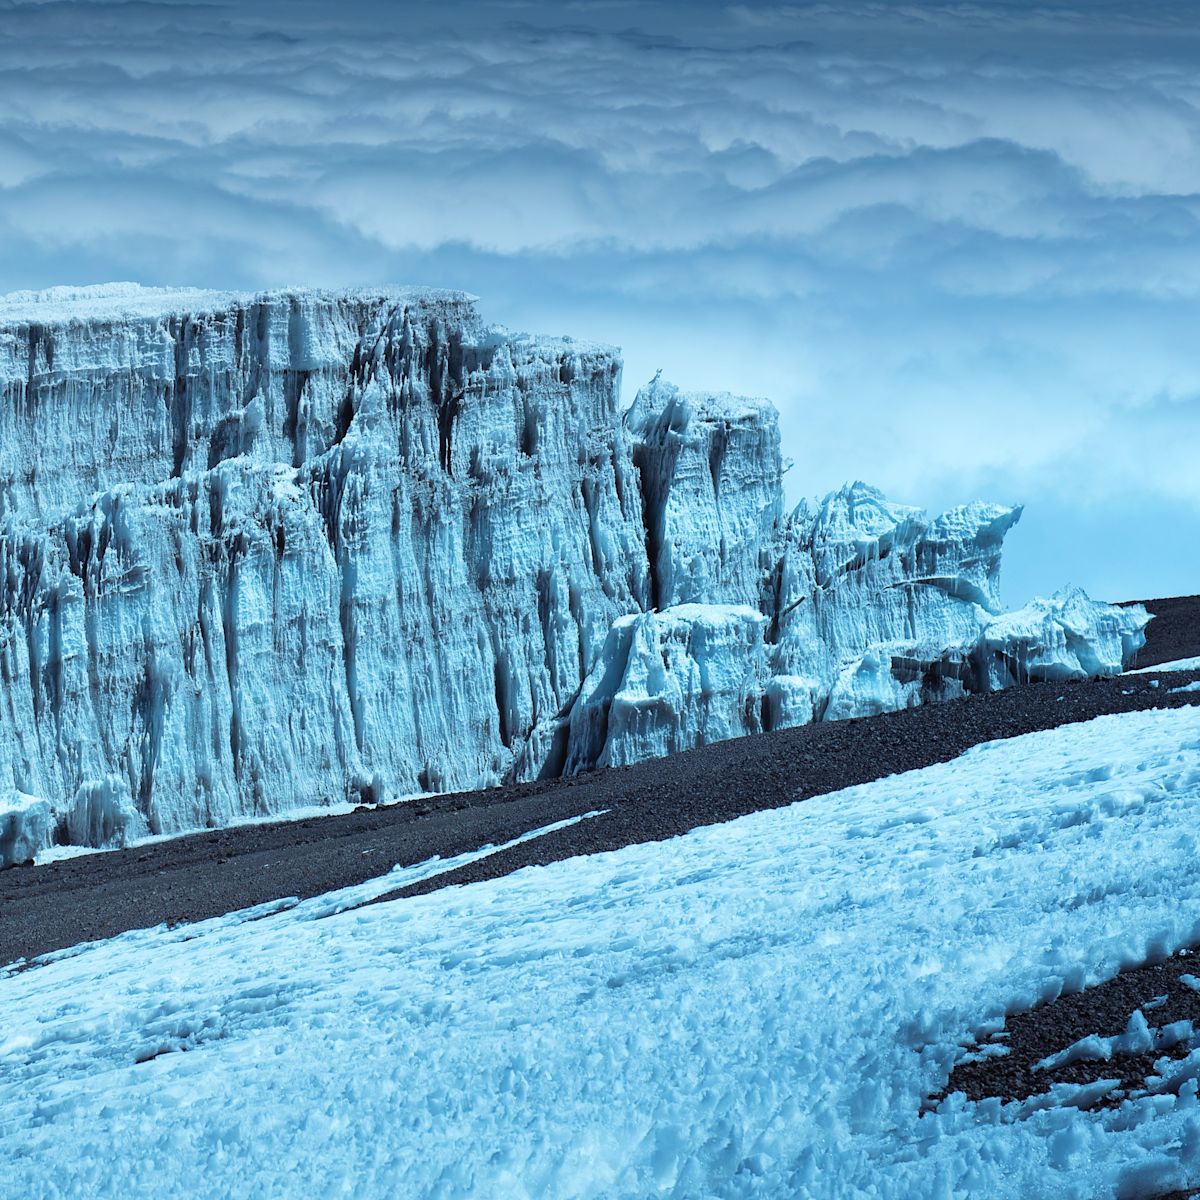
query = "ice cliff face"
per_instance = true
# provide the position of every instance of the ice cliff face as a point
(266, 551)
(853, 607)
(712, 488)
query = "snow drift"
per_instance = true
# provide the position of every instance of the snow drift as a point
(259, 552)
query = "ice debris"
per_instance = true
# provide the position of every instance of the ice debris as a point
(26, 827)
(1138, 1038)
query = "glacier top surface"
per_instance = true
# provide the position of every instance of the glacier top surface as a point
(119, 301)
(727, 404)
(657, 395)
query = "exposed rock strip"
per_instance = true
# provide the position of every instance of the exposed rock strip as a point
(207, 874)
(1124, 1031)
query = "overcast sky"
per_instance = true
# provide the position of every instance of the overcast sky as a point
(957, 244)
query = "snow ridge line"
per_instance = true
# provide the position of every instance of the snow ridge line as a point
(315, 908)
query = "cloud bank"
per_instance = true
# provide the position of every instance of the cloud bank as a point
(959, 245)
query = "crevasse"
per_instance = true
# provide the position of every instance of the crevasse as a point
(258, 552)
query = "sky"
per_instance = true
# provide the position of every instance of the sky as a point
(957, 244)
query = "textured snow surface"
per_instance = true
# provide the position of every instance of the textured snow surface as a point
(755, 1009)
(261, 552)
(1179, 664)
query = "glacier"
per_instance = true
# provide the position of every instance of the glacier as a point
(260, 552)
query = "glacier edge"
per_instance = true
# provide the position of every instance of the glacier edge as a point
(258, 552)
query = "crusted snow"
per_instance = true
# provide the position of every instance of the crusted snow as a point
(753, 1009)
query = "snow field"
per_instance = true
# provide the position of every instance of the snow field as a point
(755, 1009)
(1179, 664)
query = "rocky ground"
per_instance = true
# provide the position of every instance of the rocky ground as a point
(1173, 634)
(207, 874)
(1162, 990)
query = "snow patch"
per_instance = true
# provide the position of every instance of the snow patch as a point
(1179, 664)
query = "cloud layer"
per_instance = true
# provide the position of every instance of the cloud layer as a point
(959, 245)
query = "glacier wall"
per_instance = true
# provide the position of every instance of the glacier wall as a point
(259, 552)
(847, 608)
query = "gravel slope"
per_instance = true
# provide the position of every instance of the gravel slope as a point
(1173, 634)
(203, 875)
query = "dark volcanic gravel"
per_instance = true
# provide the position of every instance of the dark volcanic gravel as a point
(1173, 634)
(207, 874)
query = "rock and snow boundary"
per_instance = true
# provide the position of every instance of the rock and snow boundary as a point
(753, 1009)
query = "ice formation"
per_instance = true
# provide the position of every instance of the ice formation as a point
(260, 552)
(26, 827)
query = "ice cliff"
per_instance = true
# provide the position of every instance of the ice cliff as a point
(259, 552)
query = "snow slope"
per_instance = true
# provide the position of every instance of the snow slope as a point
(755, 1009)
